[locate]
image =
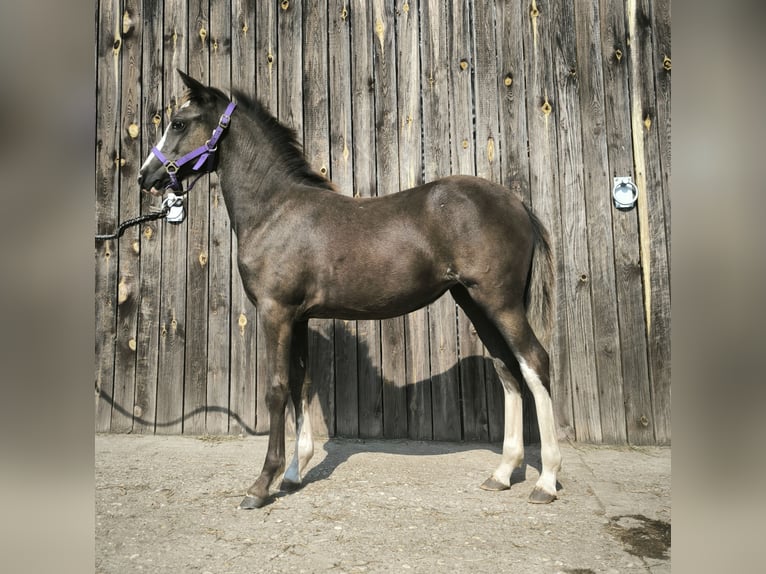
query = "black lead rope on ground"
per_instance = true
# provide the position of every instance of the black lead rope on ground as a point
(125, 224)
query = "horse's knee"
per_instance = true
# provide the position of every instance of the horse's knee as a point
(276, 396)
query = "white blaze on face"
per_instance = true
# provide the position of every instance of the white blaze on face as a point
(161, 143)
(158, 146)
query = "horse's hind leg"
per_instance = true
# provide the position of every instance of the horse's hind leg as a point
(534, 363)
(508, 330)
(508, 371)
(299, 387)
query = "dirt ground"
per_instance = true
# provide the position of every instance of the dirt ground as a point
(170, 504)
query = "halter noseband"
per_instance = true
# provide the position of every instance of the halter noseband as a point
(205, 153)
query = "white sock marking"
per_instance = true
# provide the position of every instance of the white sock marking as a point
(549, 448)
(304, 447)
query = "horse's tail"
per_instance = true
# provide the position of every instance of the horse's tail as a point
(540, 291)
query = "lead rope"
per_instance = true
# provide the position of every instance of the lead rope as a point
(172, 208)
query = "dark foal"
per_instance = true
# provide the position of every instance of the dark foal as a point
(306, 251)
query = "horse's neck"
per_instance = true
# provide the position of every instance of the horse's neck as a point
(249, 177)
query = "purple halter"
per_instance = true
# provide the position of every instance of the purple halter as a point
(205, 153)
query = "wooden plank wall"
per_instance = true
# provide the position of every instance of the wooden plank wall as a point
(551, 99)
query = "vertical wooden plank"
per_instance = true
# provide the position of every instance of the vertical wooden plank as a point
(512, 104)
(660, 10)
(107, 196)
(316, 135)
(514, 148)
(243, 319)
(370, 393)
(266, 75)
(128, 244)
(290, 89)
(416, 339)
(487, 149)
(147, 353)
(387, 161)
(198, 214)
(463, 161)
(486, 100)
(342, 173)
(577, 277)
(630, 312)
(416, 382)
(445, 377)
(654, 415)
(219, 259)
(170, 390)
(598, 205)
(544, 189)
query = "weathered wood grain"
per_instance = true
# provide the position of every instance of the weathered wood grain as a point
(148, 336)
(598, 206)
(316, 136)
(461, 61)
(551, 99)
(129, 204)
(267, 71)
(170, 388)
(363, 81)
(511, 18)
(346, 400)
(387, 164)
(442, 324)
(243, 322)
(487, 147)
(544, 180)
(655, 414)
(108, 47)
(577, 277)
(196, 390)
(630, 309)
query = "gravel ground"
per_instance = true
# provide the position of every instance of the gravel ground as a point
(170, 504)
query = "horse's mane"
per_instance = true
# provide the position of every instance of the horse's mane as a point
(284, 139)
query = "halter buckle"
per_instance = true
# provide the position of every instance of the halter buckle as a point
(171, 167)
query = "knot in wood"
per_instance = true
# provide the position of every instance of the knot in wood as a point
(508, 80)
(285, 4)
(463, 64)
(666, 63)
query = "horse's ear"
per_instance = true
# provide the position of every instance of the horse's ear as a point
(195, 88)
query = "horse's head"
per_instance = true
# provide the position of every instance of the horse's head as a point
(190, 140)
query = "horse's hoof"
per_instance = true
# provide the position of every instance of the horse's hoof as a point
(289, 485)
(494, 485)
(539, 496)
(251, 502)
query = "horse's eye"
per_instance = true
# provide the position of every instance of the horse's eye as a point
(178, 125)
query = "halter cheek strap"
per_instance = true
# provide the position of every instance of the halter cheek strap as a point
(203, 154)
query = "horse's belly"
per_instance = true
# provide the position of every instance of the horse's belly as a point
(372, 303)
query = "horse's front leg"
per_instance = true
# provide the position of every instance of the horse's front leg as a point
(299, 391)
(277, 325)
